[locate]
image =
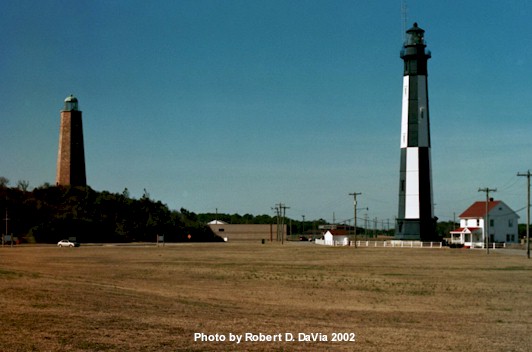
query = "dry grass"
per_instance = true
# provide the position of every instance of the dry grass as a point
(155, 299)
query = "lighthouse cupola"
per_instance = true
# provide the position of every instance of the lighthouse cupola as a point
(414, 36)
(71, 103)
(414, 54)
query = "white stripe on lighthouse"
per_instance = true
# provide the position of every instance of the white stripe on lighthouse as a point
(412, 184)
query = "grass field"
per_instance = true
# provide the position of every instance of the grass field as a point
(116, 298)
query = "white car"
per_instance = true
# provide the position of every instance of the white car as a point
(65, 243)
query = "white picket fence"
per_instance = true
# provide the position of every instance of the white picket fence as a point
(482, 245)
(400, 244)
(397, 244)
(331, 243)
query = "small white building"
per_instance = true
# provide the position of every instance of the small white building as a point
(334, 238)
(216, 222)
(503, 226)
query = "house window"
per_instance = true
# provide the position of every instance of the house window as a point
(492, 222)
(507, 238)
(510, 222)
(221, 230)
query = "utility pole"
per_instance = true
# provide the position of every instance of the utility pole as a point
(3, 237)
(6, 234)
(486, 219)
(355, 194)
(366, 225)
(283, 207)
(281, 213)
(303, 230)
(527, 213)
(277, 215)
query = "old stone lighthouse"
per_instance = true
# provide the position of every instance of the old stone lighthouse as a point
(71, 153)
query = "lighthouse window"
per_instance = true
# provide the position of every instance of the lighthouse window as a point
(402, 185)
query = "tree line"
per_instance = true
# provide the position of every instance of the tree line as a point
(48, 214)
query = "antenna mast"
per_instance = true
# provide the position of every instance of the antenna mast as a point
(404, 18)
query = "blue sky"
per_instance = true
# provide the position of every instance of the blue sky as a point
(239, 105)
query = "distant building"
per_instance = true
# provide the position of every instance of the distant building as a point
(71, 153)
(503, 226)
(247, 232)
(334, 238)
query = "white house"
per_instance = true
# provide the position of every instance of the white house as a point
(502, 224)
(334, 238)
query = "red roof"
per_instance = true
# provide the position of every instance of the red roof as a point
(338, 232)
(478, 209)
(471, 229)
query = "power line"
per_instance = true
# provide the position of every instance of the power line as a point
(509, 184)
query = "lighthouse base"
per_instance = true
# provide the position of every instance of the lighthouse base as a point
(407, 229)
(415, 229)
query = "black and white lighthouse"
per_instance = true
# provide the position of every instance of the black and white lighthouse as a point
(415, 220)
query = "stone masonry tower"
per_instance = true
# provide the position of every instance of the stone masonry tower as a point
(415, 220)
(71, 154)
